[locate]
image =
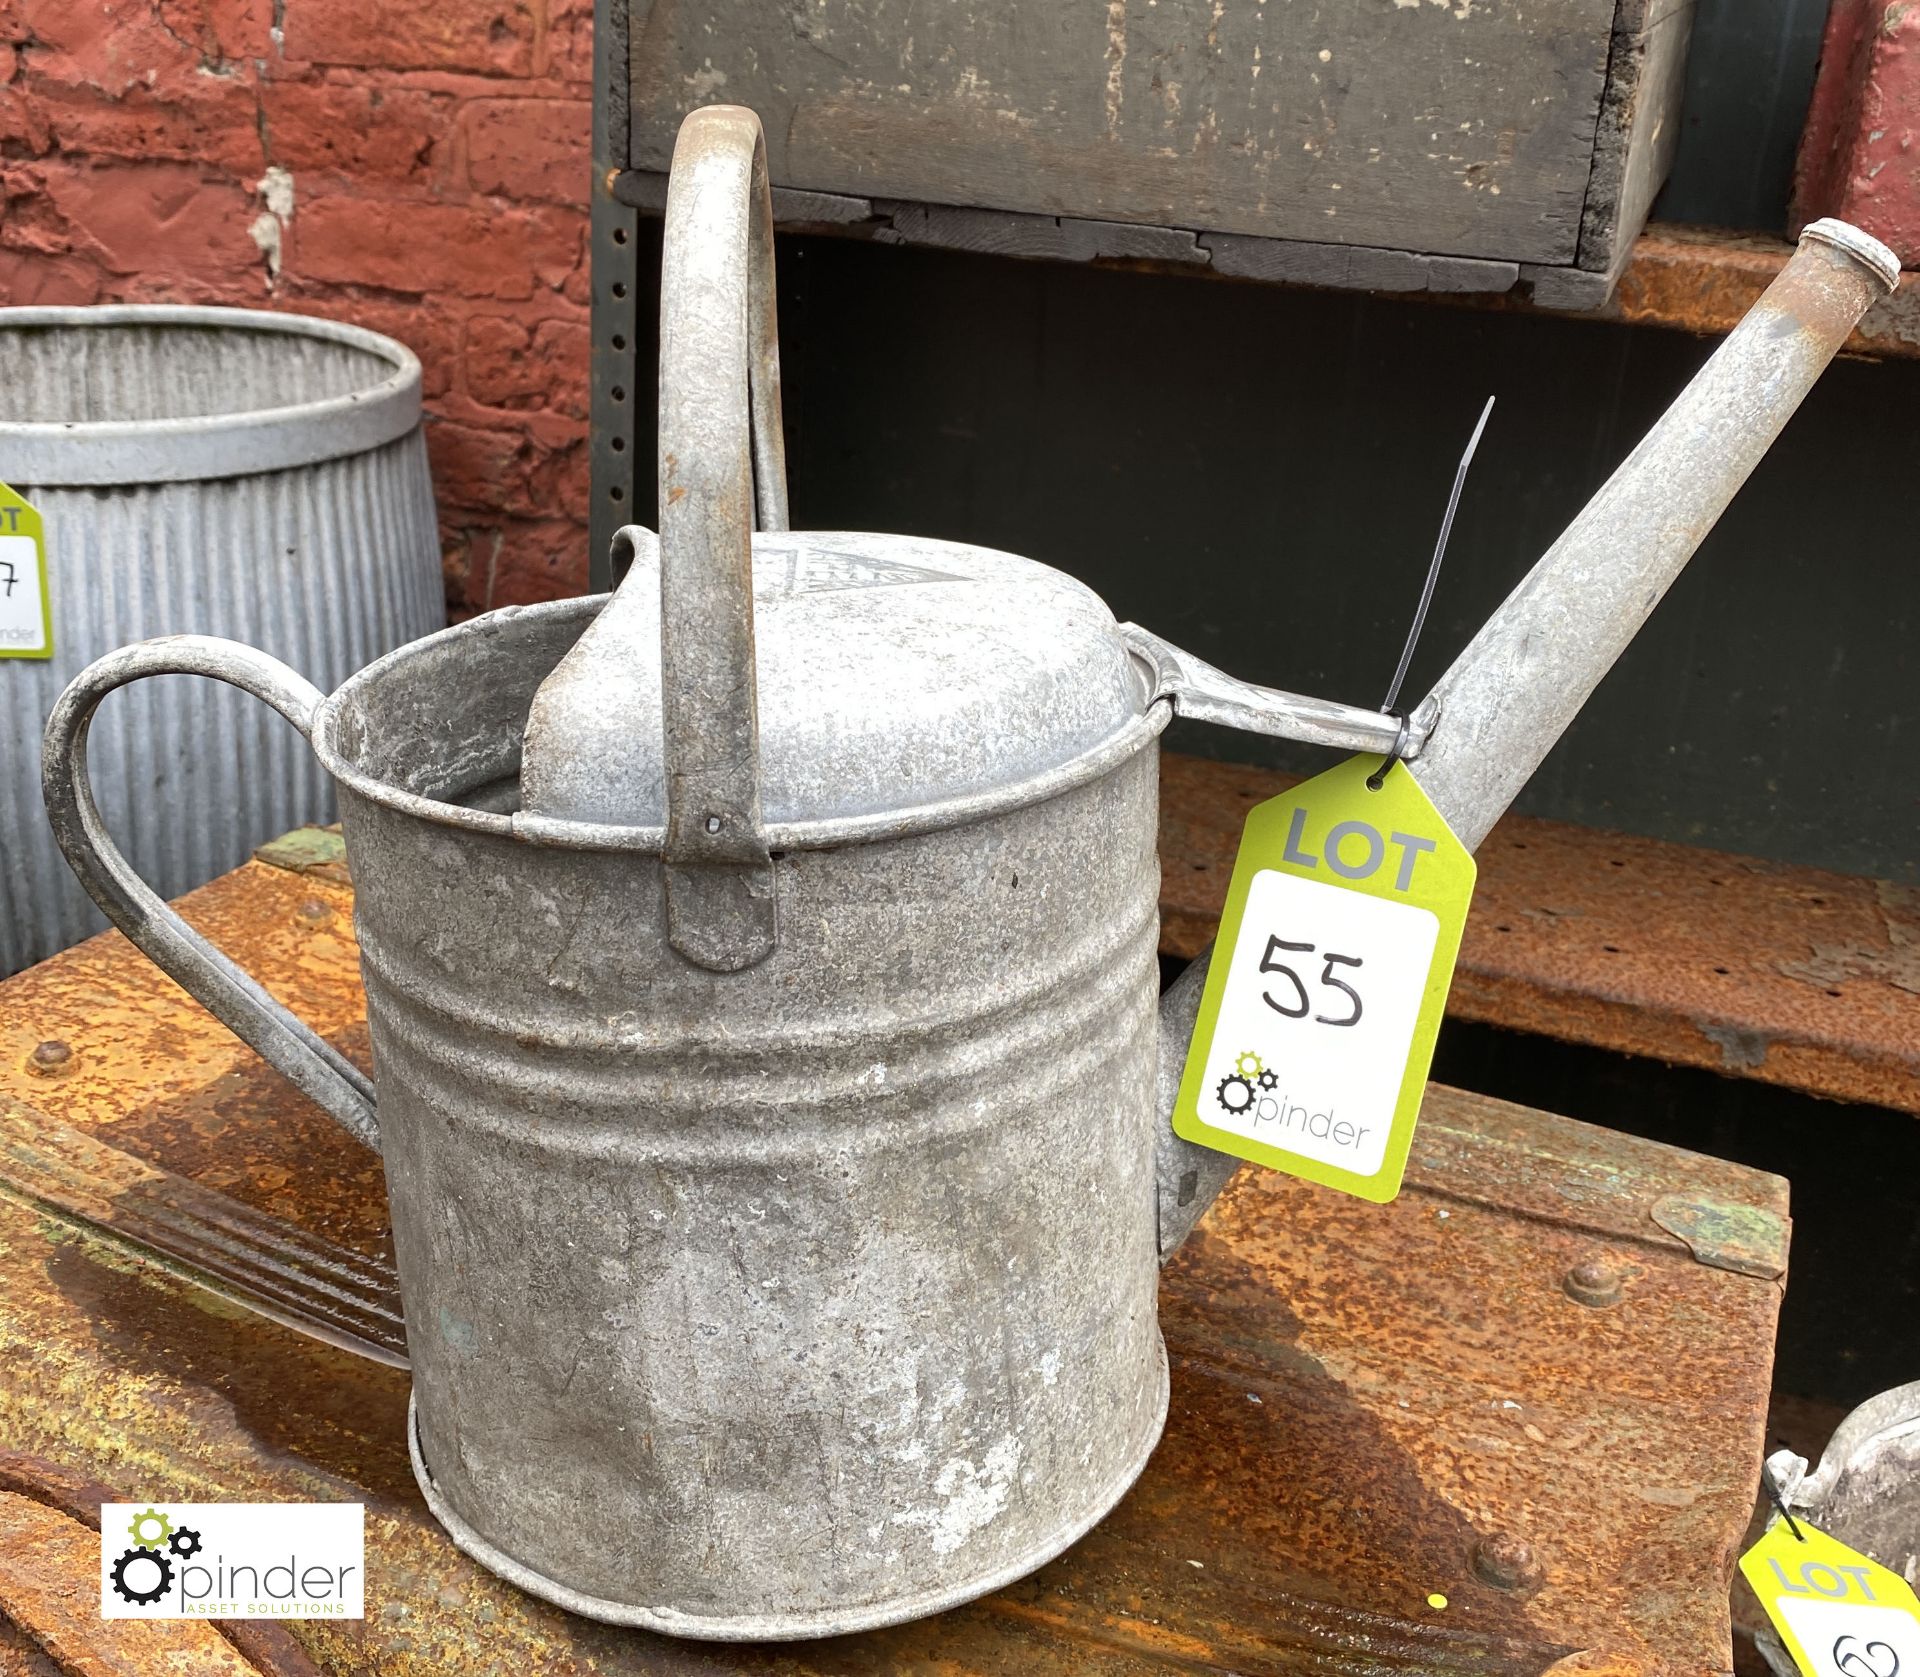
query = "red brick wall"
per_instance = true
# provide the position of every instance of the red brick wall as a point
(436, 153)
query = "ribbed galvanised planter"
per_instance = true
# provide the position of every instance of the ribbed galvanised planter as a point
(215, 471)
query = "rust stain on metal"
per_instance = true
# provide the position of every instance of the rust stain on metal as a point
(131, 1030)
(1595, 1282)
(1507, 1563)
(1703, 280)
(49, 1059)
(39, 1480)
(1371, 1405)
(306, 1279)
(1690, 279)
(1435, 1336)
(1892, 957)
(1789, 975)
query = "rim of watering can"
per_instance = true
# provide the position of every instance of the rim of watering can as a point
(1138, 731)
(61, 453)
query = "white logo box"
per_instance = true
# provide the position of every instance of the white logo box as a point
(232, 1560)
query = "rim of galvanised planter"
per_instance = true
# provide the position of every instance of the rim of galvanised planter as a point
(62, 453)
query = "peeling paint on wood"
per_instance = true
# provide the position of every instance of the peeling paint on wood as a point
(1502, 131)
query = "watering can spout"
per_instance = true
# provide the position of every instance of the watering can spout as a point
(1514, 690)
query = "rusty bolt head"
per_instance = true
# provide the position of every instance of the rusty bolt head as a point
(51, 1057)
(314, 909)
(1505, 1563)
(1593, 1282)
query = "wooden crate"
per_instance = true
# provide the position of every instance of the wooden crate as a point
(1404, 145)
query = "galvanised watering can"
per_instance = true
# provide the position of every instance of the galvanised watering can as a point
(760, 966)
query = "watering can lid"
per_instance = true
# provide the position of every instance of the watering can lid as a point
(893, 673)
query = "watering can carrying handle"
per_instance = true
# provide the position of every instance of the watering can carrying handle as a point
(315, 1067)
(720, 439)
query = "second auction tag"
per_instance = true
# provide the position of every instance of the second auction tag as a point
(1838, 1613)
(1328, 981)
(26, 614)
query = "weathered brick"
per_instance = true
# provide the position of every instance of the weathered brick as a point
(233, 31)
(29, 218)
(113, 45)
(426, 248)
(477, 468)
(466, 566)
(496, 355)
(538, 559)
(117, 79)
(560, 481)
(24, 129)
(514, 562)
(492, 36)
(30, 277)
(208, 121)
(570, 41)
(510, 365)
(577, 287)
(158, 220)
(530, 148)
(426, 185)
(241, 288)
(358, 133)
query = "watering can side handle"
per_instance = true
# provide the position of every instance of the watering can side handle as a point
(1200, 693)
(721, 461)
(239, 1002)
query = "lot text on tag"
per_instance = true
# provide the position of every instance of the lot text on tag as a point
(1328, 981)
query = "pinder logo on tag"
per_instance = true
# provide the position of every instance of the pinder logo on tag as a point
(233, 1560)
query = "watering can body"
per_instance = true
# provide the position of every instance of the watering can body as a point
(781, 1301)
(777, 1300)
(772, 1075)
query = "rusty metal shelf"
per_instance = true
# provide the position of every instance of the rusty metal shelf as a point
(1789, 975)
(1386, 1429)
(1701, 279)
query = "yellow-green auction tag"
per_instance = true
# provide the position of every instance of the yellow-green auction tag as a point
(1838, 1613)
(26, 612)
(1328, 981)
